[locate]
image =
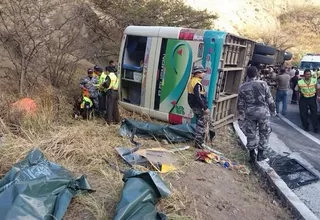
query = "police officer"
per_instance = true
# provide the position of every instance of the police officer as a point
(198, 103)
(102, 91)
(307, 90)
(89, 83)
(112, 85)
(255, 105)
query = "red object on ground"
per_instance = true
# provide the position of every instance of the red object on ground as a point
(25, 105)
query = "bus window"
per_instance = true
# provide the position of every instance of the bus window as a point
(132, 68)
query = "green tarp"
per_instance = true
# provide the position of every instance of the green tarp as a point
(172, 133)
(36, 188)
(141, 192)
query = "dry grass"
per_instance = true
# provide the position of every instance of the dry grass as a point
(80, 146)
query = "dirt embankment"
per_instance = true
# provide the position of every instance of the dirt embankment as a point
(199, 190)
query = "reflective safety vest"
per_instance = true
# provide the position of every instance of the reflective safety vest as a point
(101, 80)
(193, 82)
(114, 84)
(307, 90)
(84, 100)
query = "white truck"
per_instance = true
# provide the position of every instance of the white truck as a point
(309, 61)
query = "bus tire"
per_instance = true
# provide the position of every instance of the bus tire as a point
(262, 59)
(264, 50)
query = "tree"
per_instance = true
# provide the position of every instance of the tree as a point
(303, 22)
(116, 15)
(275, 37)
(155, 12)
(302, 18)
(30, 32)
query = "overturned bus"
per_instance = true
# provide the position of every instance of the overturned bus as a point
(155, 66)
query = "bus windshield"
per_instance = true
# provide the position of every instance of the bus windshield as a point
(309, 65)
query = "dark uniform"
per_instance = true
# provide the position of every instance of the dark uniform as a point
(198, 103)
(255, 103)
(90, 83)
(112, 85)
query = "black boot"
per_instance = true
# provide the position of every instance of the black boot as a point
(261, 156)
(253, 156)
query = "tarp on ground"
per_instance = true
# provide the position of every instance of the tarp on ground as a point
(140, 193)
(36, 188)
(172, 133)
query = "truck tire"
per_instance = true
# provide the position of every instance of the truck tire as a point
(287, 56)
(264, 49)
(261, 59)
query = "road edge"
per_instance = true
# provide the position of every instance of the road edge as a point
(300, 210)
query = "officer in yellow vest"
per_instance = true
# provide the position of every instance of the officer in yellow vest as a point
(198, 103)
(112, 85)
(308, 89)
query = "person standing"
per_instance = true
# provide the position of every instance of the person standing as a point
(255, 105)
(198, 103)
(89, 83)
(292, 71)
(283, 81)
(102, 91)
(308, 89)
(293, 84)
(112, 85)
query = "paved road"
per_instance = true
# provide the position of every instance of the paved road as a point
(294, 139)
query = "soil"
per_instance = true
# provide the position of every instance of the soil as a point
(219, 193)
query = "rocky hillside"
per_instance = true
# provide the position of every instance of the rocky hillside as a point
(236, 15)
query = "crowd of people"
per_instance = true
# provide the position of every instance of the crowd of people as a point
(99, 94)
(256, 103)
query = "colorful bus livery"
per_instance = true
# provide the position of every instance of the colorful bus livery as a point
(155, 64)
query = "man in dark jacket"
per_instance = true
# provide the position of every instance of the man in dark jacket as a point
(198, 103)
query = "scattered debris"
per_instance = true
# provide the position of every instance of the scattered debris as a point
(131, 157)
(140, 193)
(210, 157)
(161, 159)
(36, 188)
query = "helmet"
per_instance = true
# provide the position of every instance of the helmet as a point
(97, 68)
(198, 69)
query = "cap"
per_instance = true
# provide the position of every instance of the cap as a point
(198, 69)
(90, 70)
(97, 67)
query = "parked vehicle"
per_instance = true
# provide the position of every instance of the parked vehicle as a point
(309, 61)
(155, 64)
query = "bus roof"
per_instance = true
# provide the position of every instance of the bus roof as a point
(153, 31)
(172, 32)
